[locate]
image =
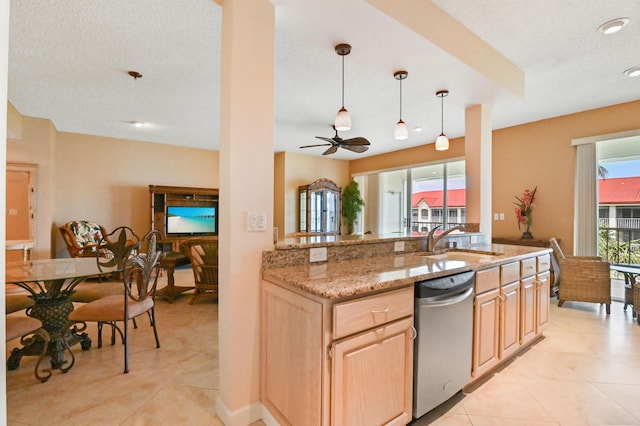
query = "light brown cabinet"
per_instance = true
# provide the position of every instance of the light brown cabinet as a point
(511, 310)
(337, 363)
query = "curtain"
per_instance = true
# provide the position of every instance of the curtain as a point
(585, 235)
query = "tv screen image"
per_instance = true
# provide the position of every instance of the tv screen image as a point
(191, 220)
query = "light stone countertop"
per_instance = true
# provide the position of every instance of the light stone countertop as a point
(358, 277)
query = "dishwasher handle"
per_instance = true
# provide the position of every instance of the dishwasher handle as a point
(446, 300)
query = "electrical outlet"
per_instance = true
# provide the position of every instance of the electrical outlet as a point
(318, 254)
(398, 246)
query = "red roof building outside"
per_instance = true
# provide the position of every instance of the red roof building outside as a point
(434, 199)
(612, 191)
(617, 191)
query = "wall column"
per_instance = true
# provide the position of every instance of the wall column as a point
(477, 145)
(4, 82)
(246, 185)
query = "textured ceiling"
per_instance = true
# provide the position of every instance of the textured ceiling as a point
(69, 60)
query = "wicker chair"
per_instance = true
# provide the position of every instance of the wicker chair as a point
(82, 237)
(203, 254)
(583, 278)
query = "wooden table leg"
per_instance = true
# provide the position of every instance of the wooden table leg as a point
(169, 263)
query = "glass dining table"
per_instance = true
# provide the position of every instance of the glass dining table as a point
(50, 283)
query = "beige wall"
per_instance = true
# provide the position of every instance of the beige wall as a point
(294, 170)
(540, 154)
(101, 179)
(535, 154)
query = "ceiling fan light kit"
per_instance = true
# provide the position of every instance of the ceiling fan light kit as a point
(401, 131)
(343, 118)
(442, 142)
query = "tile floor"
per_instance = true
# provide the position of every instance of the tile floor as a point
(586, 371)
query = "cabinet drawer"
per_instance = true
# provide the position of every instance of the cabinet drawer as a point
(509, 272)
(528, 267)
(487, 279)
(544, 263)
(360, 314)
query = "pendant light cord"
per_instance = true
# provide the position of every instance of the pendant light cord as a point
(343, 81)
(400, 99)
(442, 114)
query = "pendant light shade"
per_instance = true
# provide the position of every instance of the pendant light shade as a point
(343, 118)
(401, 131)
(442, 142)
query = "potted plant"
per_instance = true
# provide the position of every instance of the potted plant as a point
(352, 204)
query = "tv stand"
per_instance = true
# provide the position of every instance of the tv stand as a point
(183, 196)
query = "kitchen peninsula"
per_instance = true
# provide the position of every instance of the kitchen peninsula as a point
(337, 335)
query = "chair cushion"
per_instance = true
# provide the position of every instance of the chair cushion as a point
(85, 232)
(89, 292)
(110, 308)
(18, 326)
(17, 302)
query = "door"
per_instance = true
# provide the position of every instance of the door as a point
(21, 211)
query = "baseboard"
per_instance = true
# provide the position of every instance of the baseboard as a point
(241, 417)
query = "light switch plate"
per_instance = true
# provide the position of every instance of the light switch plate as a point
(501, 216)
(256, 221)
(318, 254)
(398, 246)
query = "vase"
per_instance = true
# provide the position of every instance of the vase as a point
(526, 235)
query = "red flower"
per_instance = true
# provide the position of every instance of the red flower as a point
(524, 209)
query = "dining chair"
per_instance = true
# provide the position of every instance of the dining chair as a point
(118, 244)
(30, 331)
(582, 278)
(140, 279)
(203, 254)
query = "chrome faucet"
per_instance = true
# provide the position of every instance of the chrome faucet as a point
(433, 241)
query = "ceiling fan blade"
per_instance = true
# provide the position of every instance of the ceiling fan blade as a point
(355, 148)
(356, 141)
(330, 150)
(311, 146)
(331, 141)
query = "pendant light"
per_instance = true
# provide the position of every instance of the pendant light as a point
(401, 131)
(442, 143)
(343, 118)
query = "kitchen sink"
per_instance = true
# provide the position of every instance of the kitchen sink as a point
(465, 256)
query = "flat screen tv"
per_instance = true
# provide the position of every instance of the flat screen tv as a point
(192, 220)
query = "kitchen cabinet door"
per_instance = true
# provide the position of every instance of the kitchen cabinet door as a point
(486, 332)
(528, 288)
(373, 377)
(542, 301)
(510, 319)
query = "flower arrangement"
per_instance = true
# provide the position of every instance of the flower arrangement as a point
(524, 211)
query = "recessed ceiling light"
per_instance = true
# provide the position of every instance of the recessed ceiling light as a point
(633, 72)
(613, 26)
(137, 124)
(417, 129)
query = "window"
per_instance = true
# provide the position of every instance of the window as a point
(415, 199)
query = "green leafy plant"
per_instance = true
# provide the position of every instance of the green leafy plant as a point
(352, 204)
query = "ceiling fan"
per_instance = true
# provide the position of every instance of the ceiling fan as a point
(358, 145)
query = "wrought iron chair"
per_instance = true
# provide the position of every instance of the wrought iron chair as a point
(203, 254)
(119, 244)
(30, 332)
(582, 278)
(140, 279)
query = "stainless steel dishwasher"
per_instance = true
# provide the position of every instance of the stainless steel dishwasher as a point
(443, 345)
